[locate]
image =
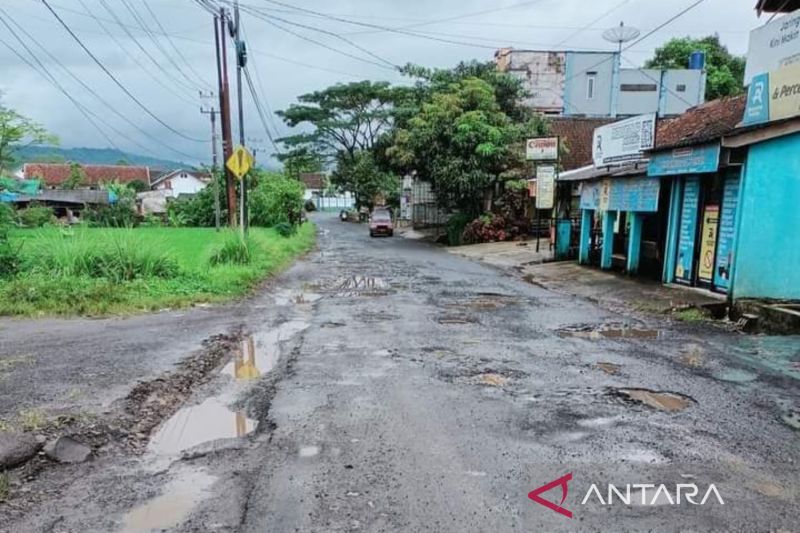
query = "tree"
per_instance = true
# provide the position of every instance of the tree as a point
(138, 186)
(16, 132)
(725, 71)
(362, 175)
(299, 161)
(344, 118)
(276, 199)
(462, 141)
(76, 177)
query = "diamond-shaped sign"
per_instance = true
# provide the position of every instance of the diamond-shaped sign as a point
(240, 162)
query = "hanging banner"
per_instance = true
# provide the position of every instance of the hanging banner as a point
(542, 149)
(545, 186)
(687, 231)
(727, 230)
(624, 194)
(708, 243)
(773, 46)
(623, 141)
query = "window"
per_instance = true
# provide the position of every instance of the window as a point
(638, 87)
(681, 87)
(591, 80)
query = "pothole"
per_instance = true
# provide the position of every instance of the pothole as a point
(260, 352)
(661, 400)
(456, 319)
(179, 497)
(609, 332)
(197, 424)
(296, 297)
(735, 375)
(611, 369)
(353, 286)
(484, 301)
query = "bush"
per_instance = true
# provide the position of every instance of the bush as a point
(10, 258)
(121, 259)
(118, 215)
(36, 216)
(236, 250)
(8, 215)
(310, 206)
(276, 199)
(285, 230)
(455, 228)
(486, 228)
(198, 211)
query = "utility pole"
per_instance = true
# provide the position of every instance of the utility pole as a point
(241, 61)
(225, 111)
(214, 163)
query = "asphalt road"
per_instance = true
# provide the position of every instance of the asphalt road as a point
(426, 392)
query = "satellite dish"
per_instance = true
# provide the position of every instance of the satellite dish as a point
(621, 34)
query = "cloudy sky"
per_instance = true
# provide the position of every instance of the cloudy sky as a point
(162, 53)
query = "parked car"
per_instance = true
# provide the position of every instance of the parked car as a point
(380, 223)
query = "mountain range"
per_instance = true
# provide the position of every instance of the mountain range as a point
(92, 156)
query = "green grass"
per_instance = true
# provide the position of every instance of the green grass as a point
(105, 271)
(5, 486)
(692, 314)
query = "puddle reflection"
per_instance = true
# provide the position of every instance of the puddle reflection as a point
(197, 424)
(260, 352)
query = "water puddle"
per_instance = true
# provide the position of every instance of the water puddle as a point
(611, 369)
(735, 375)
(197, 424)
(789, 414)
(589, 332)
(778, 355)
(168, 510)
(260, 352)
(485, 301)
(492, 380)
(295, 297)
(661, 400)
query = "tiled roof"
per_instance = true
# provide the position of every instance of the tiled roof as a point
(577, 133)
(704, 123)
(313, 180)
(56, 174)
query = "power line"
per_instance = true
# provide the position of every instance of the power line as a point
(258, 14)
(594, 21)
(155, 78)
(82, 83)
(139, 20)
(167, 74)
(262, 92)
(254, 94)
(172, 44)
(116, 81)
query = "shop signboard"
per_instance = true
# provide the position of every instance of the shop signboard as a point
(708, 243)
(727, 229)
(773, 96)
(623, 141)
(545, 186)
(773, 45)
(686, 160)
(542, 149)
(624, 194)
(687, 230)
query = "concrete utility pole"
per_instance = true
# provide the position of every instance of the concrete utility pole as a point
(225, 111)
(241, 61)
(214, 161)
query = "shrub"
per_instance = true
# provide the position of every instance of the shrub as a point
(486, 228)
(10, 258)
(285, 230)
(310, 206)
(455, 228)
(121, 259)
(36, 216)
(118, 215)
(236, 250)
(8, 215)
(198, 211)
(276, 199)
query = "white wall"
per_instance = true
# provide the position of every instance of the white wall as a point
(183, 183)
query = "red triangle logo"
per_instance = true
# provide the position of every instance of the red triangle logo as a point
(560, 482)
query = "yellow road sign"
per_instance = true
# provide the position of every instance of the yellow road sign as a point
(240, 161)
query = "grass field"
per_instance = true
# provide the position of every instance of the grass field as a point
(102, 271)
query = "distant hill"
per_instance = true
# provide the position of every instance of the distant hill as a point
(92, 156)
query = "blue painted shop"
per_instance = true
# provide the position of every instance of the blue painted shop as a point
(733, 207)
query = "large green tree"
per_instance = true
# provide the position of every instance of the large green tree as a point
(16, 132)
(463, 142)
(725, 70)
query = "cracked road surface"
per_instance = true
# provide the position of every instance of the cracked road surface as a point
(419, 391)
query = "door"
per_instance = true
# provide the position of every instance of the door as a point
(687, 231)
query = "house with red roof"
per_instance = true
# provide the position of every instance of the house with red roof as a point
(55, 175)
